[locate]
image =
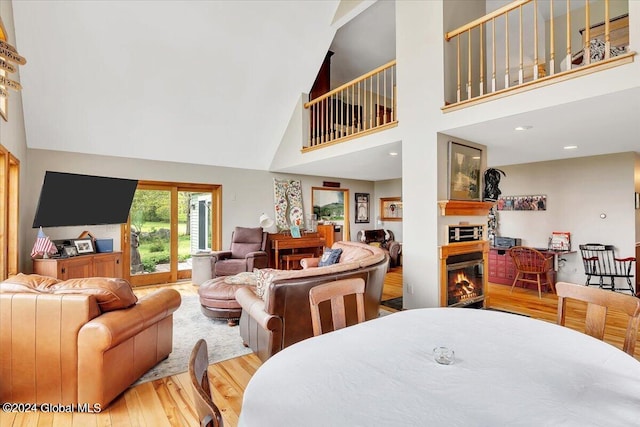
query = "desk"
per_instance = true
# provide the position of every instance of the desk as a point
(510, 370)
(291, 244)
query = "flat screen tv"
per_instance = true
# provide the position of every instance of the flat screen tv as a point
(72, 199)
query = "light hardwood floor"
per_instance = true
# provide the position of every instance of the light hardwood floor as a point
(168, 401)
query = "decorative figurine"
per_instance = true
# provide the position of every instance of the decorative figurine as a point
(491, 181)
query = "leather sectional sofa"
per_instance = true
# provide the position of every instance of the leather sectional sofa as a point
(80, 341)
(282, 316)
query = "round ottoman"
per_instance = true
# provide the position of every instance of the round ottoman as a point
(218, 296)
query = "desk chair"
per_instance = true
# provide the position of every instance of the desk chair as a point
(208, 413)
(336, 291)
(598, 301)
(529, 262)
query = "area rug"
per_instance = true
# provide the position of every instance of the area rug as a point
(189, 325)
(395, 303)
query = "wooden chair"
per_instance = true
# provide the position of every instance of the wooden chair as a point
(530, 262)
(336, 291)
(598, 301)
(600, 261)
(208, 413)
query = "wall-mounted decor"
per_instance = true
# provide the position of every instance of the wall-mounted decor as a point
(362, 208)
(522, 203)
(331, 205)
(391, 209)
(8, 56)
(464, 172)
(287, 196)
(637, 200)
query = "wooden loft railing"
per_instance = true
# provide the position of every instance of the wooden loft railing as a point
(483, 69)
(362, 106)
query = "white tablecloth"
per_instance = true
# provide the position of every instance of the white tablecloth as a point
(510, 370)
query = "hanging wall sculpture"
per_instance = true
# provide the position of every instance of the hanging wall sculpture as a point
(288, 203)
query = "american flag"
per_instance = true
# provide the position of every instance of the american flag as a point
(43, 245)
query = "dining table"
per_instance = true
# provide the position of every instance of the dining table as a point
(507, 370)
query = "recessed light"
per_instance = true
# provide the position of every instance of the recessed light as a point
(570, 147)
(393, 153)
(523, 128)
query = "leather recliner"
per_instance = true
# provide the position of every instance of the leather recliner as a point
(248, 251)
(80, 341)
(385, 240)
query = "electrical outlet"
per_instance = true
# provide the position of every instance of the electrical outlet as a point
(410, 288)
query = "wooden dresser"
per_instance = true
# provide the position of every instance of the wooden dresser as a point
(502, 270)
(91, 265)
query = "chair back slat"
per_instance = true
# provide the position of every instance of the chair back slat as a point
(598, 302)
(335, 293)
(208, 413)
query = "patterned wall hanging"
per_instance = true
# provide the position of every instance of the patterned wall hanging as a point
(288, 203)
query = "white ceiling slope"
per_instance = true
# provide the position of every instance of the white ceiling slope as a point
(205, 82)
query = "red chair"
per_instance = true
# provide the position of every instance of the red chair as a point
(530, 262)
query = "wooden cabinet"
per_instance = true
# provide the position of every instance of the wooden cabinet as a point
(94, 265)
(327, 232)
(502, 269)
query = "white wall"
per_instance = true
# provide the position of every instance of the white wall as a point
(387, 188)
(246, 194)
(419, 31)
(578, 191)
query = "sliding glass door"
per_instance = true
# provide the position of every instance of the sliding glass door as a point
(169, 222)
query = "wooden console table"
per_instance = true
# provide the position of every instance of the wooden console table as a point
(92, 265)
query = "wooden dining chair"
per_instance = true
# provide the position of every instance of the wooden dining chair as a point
(531, 262)
(336, 291)
(598, 302)
(208, 413)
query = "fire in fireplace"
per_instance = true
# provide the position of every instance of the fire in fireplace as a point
(464, 279)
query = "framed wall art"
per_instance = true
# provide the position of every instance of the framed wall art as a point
(464, 172)
(362, 208)
(391, 209)
(84, 246)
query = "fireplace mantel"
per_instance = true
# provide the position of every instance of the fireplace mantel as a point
(464, 207)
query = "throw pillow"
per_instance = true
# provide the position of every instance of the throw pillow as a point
(330, 257)
(264, 278)
(376, 244)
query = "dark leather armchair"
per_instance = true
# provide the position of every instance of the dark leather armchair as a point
(383, 239)
(246, 253)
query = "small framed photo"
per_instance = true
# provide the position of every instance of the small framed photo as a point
(69, 251)
(84, 246)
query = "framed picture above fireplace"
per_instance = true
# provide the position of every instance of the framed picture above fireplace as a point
(464, 172)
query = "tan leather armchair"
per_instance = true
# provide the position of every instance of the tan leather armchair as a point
(70, 343)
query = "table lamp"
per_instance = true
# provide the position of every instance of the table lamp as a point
(267, 224)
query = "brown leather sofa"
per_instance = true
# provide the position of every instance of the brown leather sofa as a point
(80, 341)
(282, 316)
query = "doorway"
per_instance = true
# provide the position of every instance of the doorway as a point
(168, 222)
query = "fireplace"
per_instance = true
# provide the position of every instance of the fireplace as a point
(465, 279)
(462, 274)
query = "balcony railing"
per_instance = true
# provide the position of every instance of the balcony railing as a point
(364, 105)
(528, 43)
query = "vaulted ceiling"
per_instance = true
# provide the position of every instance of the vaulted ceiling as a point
(216, 83)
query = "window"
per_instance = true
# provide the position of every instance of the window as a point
(167, 223)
